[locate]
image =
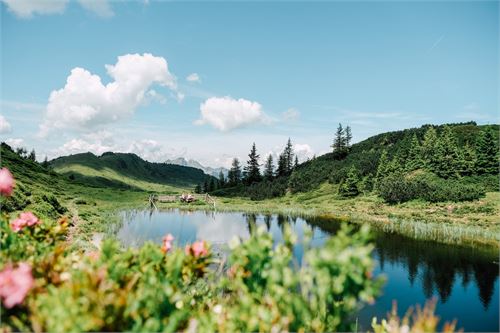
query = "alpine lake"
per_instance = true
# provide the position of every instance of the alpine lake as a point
(463, 280)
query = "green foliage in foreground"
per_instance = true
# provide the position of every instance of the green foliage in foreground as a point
(147, 289)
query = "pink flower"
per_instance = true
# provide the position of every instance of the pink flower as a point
(199, 249)
(6, 182)
(167, 243)
(25, 219)
(17, 224)
(15, 284)
(30, 218)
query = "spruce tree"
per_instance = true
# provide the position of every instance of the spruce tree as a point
(212, 185)
(288, 154)
(197, 189)
(222, 179)
(281, 171)
(32, 155)
(467, 162)
(205, 188)
(347, 137)
(446, 160)
(296, 164)
(383, 167)
(414, 159)
(349, 187)
(429, 149)
(234, 174)
(487, 153)
(269, 168)
(252, 170)
(338, 140)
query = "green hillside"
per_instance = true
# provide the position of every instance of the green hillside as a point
(455, 161)
(124, 170)
(365, 155)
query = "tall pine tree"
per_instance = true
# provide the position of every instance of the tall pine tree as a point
(429, 149)
(487, 153)
(447, 158)
(222, 179)
(288, 154)
(347, 137)
(269, 168)
(414, 159)
(252, 170)
(234, 174)
(468, 160)
(338, 140)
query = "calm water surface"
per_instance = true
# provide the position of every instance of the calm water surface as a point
(464, 281)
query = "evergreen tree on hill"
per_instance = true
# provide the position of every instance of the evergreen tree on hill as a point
(487, 153)
(348, 137)
(447, 158)
(349, 188)
(468, 160)
(414, 159)
(288, 154)
(234, 174)
(211, 185)
(269, 168)
(338, 140)
(383, 168)
(429, 149)
(252, 170)
(281, 171)
(222, 179)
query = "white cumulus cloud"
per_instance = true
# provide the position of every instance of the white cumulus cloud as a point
(226, 113)
(85, 102)
(193, 77)
(303, 151)
(4, 125)
(28, 8)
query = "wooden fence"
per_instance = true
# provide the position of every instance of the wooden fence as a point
(154, 198)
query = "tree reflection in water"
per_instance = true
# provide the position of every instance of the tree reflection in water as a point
(437, 266)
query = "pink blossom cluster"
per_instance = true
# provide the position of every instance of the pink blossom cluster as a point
(6, 182)
(25, 219)
(167, 243)
(197, 249)
(15, 284)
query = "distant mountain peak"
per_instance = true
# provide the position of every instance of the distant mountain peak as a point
(195, 164)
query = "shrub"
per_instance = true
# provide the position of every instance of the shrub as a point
(397, 188)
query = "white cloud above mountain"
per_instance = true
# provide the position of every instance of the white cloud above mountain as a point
(227, 113)
(85, 102)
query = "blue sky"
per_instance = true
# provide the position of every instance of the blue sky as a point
(264, 72)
